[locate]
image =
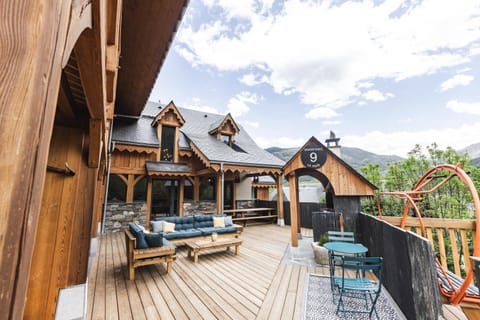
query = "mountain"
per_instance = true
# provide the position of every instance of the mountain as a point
(472, 150)
(355, 157)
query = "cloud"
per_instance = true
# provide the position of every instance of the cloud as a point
(321, 113)
(464, 107)
(281, 142)
(201, 108)
(251, 124)
(331, 123)
(239, 105)
(327, 53)
(455, 81)
(375, 95)
(401, 142)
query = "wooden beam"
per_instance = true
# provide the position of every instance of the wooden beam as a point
(196, 188)
(33, 34)
(81, 19)
(292, 182)
(90, 52)
(149, 201)
(95, 143)
(279, 180)
(219, 195)
(130, 187)
(181, 195)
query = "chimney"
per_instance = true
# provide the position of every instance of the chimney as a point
(332, 144)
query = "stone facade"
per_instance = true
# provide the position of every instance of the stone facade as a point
(191, 208)
(119, 215)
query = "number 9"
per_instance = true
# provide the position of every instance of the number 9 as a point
(313, 157)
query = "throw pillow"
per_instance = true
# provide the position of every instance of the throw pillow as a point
(141, 243)
(218, 222)
(154, 239)
(168, 227)
(228, 221)
(157, 226)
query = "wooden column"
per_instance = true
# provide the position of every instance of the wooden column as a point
(281, 220)
(130, 188)
(196, 188)
(219, 194)
(181, 194)
(33, 34)
(149, 202)
(292, 181)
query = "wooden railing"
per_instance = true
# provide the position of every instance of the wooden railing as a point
(445, 235)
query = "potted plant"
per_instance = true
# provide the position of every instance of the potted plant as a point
(320, 253)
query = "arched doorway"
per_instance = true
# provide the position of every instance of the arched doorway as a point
(343, 185)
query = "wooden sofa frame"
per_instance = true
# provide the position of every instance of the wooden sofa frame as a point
(181, 241)
(143, 257)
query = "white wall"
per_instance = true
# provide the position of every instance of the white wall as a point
(244, 189)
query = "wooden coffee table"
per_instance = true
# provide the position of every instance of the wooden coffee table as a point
(199, 245)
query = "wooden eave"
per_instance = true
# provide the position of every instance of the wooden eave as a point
(295, 164)
(135, 148)
(230, 167)
(180, 121)
(224, 123)
(169, 174)
(147, 31)
(264, 185)
(196, 151)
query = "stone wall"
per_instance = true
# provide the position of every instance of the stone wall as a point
(119, 215)
(191, 207)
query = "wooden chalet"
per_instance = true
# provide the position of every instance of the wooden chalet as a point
(178, 159)
(343, 185)
(67, 67)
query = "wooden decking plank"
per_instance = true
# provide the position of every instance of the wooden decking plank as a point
(254, 284)
(200, 288)
(269, 298)
(174, 306)
(300, 290)
(281, 294)
(92, 282)
(111, 310)
(98, 310)
(119, 263)
(222, 288)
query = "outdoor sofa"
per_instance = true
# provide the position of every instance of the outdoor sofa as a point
(145, 248)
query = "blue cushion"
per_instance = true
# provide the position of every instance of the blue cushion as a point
(228, 221)
(205, 220)
(169, 244)
(154, 239)
(141, 243)
(182, 234)
(181, 223)
(209, 230)
(157, 226)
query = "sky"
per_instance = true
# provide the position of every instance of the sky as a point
(382, 75)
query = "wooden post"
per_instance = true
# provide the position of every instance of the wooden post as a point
(181, 194)
(130, 188)
(281, 220)
(196, 188)
(292, 181)
(149, 202)
(33, 41)
(218, 190)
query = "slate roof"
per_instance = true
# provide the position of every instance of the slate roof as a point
(154, 166)
(195, 130)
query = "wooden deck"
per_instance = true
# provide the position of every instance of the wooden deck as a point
(252, 285)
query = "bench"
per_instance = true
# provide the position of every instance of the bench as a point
(244, 219)
(148, 256)
(250, 214)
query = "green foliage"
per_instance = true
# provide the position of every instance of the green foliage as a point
(452, 200)
(323, 239)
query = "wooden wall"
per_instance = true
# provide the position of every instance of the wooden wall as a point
(130, 162)
(61, 250)
(33, 35)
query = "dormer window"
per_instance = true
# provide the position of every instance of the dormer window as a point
(227, 139)
(167, 143)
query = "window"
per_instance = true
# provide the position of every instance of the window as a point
(140, 190)
(226, 139)
(207, 189)
(167, 143)
(117, 189)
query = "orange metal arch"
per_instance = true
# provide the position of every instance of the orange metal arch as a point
(416, 194)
